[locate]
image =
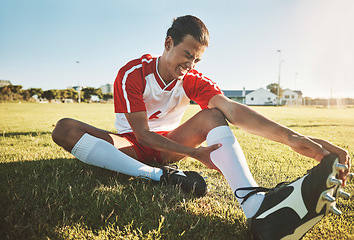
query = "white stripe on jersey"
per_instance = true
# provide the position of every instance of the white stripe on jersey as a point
(145, 60)
(205, 79)
(125, 80)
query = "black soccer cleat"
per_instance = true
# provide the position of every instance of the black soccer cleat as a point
(188, 181)
(289, 210)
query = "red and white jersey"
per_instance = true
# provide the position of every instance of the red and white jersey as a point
(139, 87)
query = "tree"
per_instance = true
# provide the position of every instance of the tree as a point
(273, 87)
(5, 93)
(15, 88)
(66, 94)
(87, 92)
(99, 93)
(25, 95)
(11, 92)
(50, 94)
(90, 91)
(107, 96)
(35, 91)
(70, 94)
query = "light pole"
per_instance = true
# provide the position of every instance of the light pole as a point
(296, 75)
(278, 92)
(78, 82)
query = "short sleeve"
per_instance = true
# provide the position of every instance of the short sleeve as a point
(200, 88)
(129, 88)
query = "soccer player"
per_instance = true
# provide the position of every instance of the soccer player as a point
(150, 96)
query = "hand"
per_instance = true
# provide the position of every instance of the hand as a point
(343, 156)
(317, 149)
(307, 147)
(203, 155)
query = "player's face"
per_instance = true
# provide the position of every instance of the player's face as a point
(180, 59)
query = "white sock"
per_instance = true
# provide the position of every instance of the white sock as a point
(97, 152)
(231, 161)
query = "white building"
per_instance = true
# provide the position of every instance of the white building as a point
(291, 97)
(252, 97)
(261, 97)
(4, 83)
(107, 88)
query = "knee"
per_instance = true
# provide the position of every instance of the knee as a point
(211, 118)
(215, 117)
(62, 129)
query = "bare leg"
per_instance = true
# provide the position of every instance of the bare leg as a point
(68, 132)
(102, 149)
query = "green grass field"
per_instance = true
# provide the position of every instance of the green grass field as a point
(45, 193)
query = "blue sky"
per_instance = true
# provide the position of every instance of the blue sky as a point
(41, 41)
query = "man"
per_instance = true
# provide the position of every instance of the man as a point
(151, 95)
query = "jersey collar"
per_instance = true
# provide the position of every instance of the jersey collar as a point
(160, 81)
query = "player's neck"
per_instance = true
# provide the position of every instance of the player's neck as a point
(161, 70)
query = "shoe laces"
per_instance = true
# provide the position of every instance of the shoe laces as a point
(170, 169)
(173, 166)
(255, 190)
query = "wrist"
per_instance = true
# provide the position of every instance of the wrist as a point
(293, 138)
(191, 152)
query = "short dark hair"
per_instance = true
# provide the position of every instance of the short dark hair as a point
(191, 25)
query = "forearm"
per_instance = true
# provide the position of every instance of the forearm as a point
(250, 121)
(138, 122)
(160, 143)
